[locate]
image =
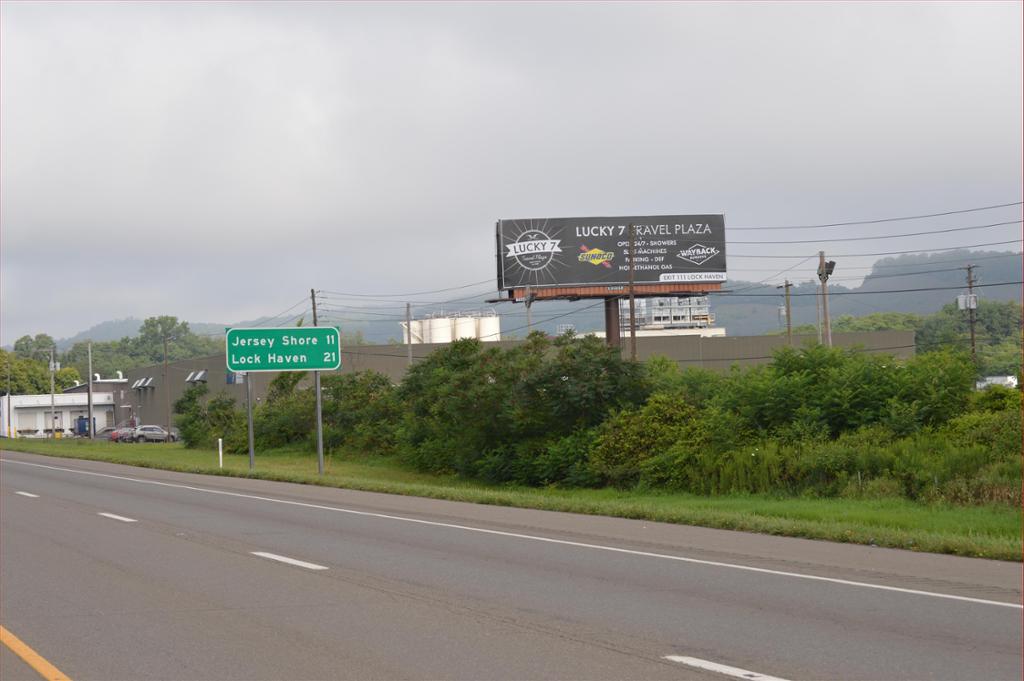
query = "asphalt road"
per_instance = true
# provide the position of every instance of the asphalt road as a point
(187, 578)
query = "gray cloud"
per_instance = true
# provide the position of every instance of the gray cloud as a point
(214, 161)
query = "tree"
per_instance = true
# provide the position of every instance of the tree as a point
(38, 347)
(31, 376)
(146, 348)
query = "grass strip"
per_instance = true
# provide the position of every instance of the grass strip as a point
(977, 531)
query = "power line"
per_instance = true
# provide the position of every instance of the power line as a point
(283, 313)
(881, 220)
(777, 274)
(903, 265)
(860, 293)
(865, 278)
(884, 236)
(414, 293)
(860, 255)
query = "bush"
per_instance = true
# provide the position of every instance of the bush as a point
(566, 461)
(493, 413)
(361, 412)
(190, 417)
(630, 437)
(202, 424)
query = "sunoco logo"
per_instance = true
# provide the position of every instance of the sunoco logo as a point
(595, 256)
(533, 249)
(698, 254)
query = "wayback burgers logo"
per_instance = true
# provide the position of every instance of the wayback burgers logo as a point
(533, 249)
(698, 254)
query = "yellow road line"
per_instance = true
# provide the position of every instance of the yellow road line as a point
(31, 657)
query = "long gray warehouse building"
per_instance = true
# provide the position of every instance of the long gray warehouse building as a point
(145, 393)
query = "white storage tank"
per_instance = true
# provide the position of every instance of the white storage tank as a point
(440, 330)
(419, 331)
(490, 328)
(465, 327)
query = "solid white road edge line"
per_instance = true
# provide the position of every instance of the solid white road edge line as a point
(290, 561)
(516, 535)
(118, 517)
(721, 668)
(28, 494)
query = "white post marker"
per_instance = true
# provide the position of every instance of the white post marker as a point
(220, 452)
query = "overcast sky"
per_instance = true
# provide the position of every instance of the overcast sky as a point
(217, 160)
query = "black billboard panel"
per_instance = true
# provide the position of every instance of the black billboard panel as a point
(595, 251)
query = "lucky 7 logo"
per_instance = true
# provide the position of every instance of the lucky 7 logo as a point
(595, 256)
(533, 249)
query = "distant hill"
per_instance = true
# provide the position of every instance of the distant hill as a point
(750, 308)
(111, 330)
(116, 329)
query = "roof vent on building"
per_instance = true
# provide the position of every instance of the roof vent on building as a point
(95, 377)
(120, 376)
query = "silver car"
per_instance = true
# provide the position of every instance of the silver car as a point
(153, 434)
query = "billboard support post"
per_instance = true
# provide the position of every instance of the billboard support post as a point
(529, 314)
(611, 322)
(632, 297)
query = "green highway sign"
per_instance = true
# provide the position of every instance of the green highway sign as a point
(299, 348)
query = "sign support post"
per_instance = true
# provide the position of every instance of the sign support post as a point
(248, 408)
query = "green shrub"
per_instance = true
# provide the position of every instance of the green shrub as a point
(631, 436)
(361, 412)
(566, 461)
(190, 417)
(492, 412)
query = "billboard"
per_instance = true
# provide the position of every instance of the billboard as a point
(595, 251)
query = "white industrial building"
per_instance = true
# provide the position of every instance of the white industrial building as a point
(670, 316)
(445, 328)
(30, 415)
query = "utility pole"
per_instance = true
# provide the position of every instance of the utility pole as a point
(817, 315)
(316, 388)
(53, 400)
(824, 272)
(972, 304)
(167, 393)
(632, 300)
(408, 332)
(92, 430)
(789, 313)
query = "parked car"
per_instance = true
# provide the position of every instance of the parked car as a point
(105, 433)
(153, 434)
(123, 435)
